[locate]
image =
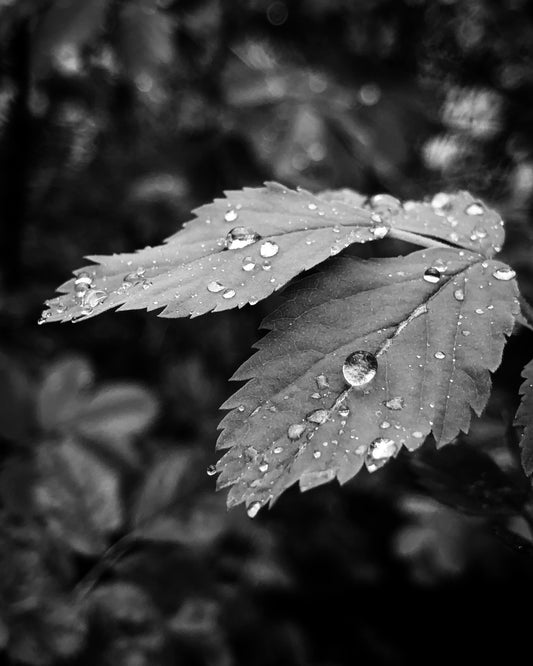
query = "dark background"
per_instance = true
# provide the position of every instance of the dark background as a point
(117, 118)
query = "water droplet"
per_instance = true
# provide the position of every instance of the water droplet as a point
(385, 203)
(344, 412)
(263, 468)
(479, 311)
(475, 208)
(231, 215)
(441, 201)
(295, 431)
(248, 264)
(312, 206)
(317, 455)
(319, 416)
(360, 368)
(266, 265)
(211, 470)
(504, 274)
(395, 404)
(384, 425)
(322, 382)
(417, 434)
(454, 237)
(253, 509)
(378, 229)
(432, 275)
(268, 249)
(229, 293)
(215, 286)
(478, 233)
(439, 355)
(315, 396)
(83, 278)
(94, 297)
(379, 452)
(465, 333)
(459, 295)
(240, 237)
(45, 314)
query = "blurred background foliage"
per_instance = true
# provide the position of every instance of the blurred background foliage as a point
(117, 117)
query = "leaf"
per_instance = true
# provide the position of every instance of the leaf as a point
(79, 496)
(458, 219)
(434, 342)
(524, 417)
(15, 401)
(194, 273)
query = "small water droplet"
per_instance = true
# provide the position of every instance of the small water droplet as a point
(229, 293)
(439, 355)
(266, 265)
(231, 215)
(360, 368)
(465, 333)
(432, 275)
(295, 431)
(384, 425)
(215, 286)
(319, 416)
(253, 509)
(441, 201)
(379, 452)
(378, 229)
(478, 233)
(322, 382)
(240, 408)
(211, 470)
(317, 455)
(312, 206)
(475, 208)
(263, 468)
(248, 264)
(94, 297)
(417, 434)
(395, 404)
(504, 274)
(268, 249)
(459, 295)
(83, 278)
(315, 396)
(240, 237)
(454, 237)
(344, 412)
(479, 311)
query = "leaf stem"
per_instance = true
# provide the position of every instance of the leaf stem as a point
(416, 239)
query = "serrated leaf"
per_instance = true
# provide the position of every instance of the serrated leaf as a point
(457, 219)
(194, 273)
(524, 417)
(78, 495)
(435, 343)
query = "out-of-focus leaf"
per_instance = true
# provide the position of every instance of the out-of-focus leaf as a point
(524, 417)
(435, 322)
(15, 401)
(116, 411)
(62, 392)
(78, 495)
(469, 480)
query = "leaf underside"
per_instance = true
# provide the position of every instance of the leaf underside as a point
(435, 345)
(194, 273)
(524, 417)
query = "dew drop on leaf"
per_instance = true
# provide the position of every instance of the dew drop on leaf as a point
(215, 286)
(240, 237)
(459, 295)
(231, 215)
(312, 206)
(439, 355)
(395, 404)
(248, 264)
(94, 297)
(465, 333)
(295, 431)
(379, 452)
(432, 275)
(478, 233)
(278, 449)
(263, 468)
(83, 278)
(229, 293)
(384, 425)
(441, 201)
(319, 416)
(344, 412)
(322, 382)
(268, 249)
(317, 454)
(504, 274)
(211, 470)
(474, 209)
(266, 265)
(253, 509)
(360, 368)
(479, 311)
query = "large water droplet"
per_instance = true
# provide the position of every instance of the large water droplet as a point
(441, 202)
(211, 470)
(322, 382)
(248, 264)
(379, 452)
(319, 416)
(295, 431)
(504, 274)
(263, 468)
(475, 208)
(253, 509)
(229, 293)
(385, 203)
(240, 237)
(459, 295)
(215, 286)
(395, 404)
(268, 249)
(439, 355)
(360, 368)
(94, 297)
(231, 215)
(432, 275)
